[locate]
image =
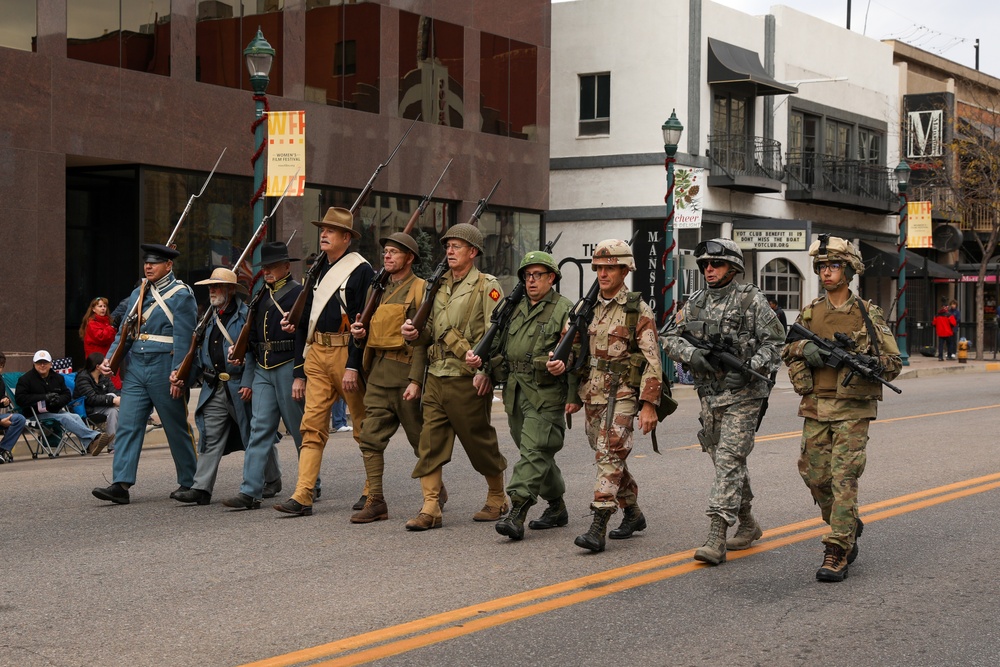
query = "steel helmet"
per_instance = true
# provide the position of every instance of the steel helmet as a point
(724, 249)
(613, 252)
(463, 231)
(828, 248)
(542, 259)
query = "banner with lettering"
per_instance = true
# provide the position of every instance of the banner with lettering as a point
(688, 194)
(286, 152)
(918, 225)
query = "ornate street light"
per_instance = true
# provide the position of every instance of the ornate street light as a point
(902, 172)
(259, 56)
(672, 130)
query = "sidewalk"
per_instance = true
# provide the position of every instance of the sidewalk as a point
(921, 366)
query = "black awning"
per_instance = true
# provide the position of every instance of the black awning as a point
(882, 259)
(735, 65)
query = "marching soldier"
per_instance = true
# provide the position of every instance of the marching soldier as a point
(732, 402)
(168, 311)
(535, 399)
(623, 380)
(835, 432)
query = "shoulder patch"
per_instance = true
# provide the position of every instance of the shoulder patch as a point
(495, 294)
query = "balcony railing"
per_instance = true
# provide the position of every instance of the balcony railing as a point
(740, 155)
(816, 172)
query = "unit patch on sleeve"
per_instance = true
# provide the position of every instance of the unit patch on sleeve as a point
(495, 294)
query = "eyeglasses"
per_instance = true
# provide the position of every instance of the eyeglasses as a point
(392, 252)
(456, 246)
(714, 263)
(535, 275)
(832, 266)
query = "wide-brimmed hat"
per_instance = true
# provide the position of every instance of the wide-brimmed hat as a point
(221, 276)
(157, 253)
(339, 218)
(401, 241)
(274, 252)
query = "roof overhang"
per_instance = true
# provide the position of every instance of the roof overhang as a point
(884, 261)
(739, 67)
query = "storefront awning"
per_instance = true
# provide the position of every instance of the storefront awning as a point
(735, 65)
(882, 259)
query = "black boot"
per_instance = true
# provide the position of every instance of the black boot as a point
(115, 493)
(593, 539)
(633, 521)
(555, 516)
(194, 496)
(512, 525)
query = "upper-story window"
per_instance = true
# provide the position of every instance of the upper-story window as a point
(731, 115)
(595, 104)
(343, 43)
(870, 146)
(224, 29)
(431, 70)
(19, 26)
(508, 87)
(120, 33)
(838, 140)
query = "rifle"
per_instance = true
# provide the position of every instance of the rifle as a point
(725, 355)
(133, 320)
(312, 275)
(502, 314)
(423, 313)
(381, 279)
(838, 352)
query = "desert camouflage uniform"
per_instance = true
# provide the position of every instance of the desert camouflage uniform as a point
(835, 432)
(609, 343)
(729, 416)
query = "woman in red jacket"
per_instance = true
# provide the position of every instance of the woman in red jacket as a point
(944, 325)
(97, 333)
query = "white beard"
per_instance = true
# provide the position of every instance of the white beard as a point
(218, 300)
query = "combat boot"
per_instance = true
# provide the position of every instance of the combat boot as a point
(834, 566)
(593, 539)
(375, 509)
(853, 555)
(748, 531)
(632, 522)
(512, 525)
(714, 550)
(555, 516)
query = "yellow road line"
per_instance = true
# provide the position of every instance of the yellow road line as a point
(583, 589)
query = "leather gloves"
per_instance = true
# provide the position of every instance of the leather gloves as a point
(812, 354)
(700, 364)
(735, 380)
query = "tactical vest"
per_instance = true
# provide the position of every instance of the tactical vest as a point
(825, 322)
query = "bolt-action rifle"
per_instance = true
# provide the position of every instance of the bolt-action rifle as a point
(381, 279)
(312, 275)
(420, 317)
(133, 320)
(839, 353)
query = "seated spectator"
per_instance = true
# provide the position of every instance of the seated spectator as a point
(45, 392)
(97, 333)
(11, 424)
(98, 394)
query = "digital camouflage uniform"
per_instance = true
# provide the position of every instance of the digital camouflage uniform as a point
(835, 432)
(729, 416)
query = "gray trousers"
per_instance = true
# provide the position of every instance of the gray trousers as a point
(220, 418)
(111, 412)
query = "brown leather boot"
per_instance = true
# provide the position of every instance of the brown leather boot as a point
(834, 566)
(423, 522)
(375, 509)
(430, 514)
(496, 500)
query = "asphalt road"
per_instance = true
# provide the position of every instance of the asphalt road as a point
(159, 583)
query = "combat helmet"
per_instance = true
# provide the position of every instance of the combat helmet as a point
(828, 248)
(724, 249)
(542, 259)
(613, 252)
(465, 232)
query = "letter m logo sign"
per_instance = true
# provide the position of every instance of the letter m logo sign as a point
(924, 133)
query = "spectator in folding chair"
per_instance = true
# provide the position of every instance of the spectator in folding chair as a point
(11, 423)
(45, 393)
(98, 394)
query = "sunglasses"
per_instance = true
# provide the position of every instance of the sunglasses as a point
(714, 263)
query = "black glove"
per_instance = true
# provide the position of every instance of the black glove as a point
(52, 398)
(699, 364)
(735, 380)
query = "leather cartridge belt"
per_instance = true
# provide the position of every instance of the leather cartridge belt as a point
(405, 355)
(274, 346)
(156, 339)
(439, 351)
(608, 366)
(521, 367)
(331, 339)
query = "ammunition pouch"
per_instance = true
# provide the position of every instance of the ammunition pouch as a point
(801, 377)
(542, 376)
(499, 369)
(454, 341)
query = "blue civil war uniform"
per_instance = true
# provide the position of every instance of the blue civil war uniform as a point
(158, 350)
(271, 353)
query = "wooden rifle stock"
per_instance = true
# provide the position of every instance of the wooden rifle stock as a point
(243, 340)
(423, 313)
(184, 370)
(129, 330)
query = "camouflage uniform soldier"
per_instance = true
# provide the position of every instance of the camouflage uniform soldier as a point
(731, 401)
(617, 383)
(835, 432)
(535, 400)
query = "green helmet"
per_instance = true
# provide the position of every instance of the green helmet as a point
(542, 259)
(463, 231)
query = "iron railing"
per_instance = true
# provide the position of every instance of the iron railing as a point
(740, 155)
(815, 171)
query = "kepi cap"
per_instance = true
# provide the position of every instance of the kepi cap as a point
(157, 253)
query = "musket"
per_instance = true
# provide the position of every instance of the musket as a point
(423, 313)
(312, 275)
(133, 320)
(502, 314)
(381, 279)
(837, 354)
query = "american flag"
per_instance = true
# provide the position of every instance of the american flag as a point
(64, 365)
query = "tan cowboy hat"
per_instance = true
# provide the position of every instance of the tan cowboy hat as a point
(221, 276)
(340, 218)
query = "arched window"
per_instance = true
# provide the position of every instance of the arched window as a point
(780, 279)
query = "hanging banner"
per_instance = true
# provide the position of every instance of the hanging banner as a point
(688, 197)
(286, 152)
(918, 225)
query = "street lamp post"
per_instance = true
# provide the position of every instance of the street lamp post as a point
(259, 56)
(902, 180)
(672, 130)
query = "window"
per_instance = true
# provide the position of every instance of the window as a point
(838, 140)
(595, 104)
(19, 26)
(869, 146)
(803, 133)
(431, 70)
(224, 29)
(508, 76)
(731, 115)
(780, 279)
(345, 58)
(120, 33)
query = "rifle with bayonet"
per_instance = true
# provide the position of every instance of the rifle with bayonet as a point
(502, 314)
(420, 318)
(381, 279)
(840, 352)
(133, 320)
(312, 275)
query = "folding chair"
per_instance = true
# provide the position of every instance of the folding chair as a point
(50, 437)
(95, 421)
(9, 383)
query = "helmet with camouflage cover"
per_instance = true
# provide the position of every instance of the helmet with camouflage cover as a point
(828, 248)
(465, 232)
(542, 259)
(724, 249)
(613, 252)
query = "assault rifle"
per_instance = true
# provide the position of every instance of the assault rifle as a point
(312, 275)
(839, 352)
(721, 351)
(500, 319)
(420, 317)
(133, 320)
(381, 278)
